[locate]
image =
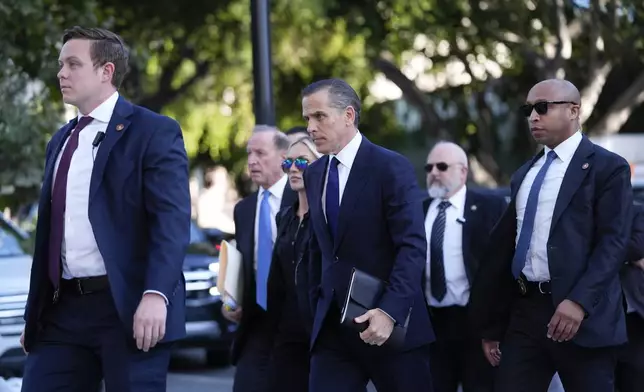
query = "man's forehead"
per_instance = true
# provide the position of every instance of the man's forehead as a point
(544, 92)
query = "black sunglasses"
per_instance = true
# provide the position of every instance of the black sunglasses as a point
(300, 164)
(541, 107)
(441, 166)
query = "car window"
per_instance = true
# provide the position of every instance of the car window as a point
(9, 242)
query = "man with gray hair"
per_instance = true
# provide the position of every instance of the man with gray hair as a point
(255, 234)
(365, 208)
(457, 222)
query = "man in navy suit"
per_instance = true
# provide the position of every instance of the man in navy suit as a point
(366, 212)
(629, 374)
(458, 221)
(255, 232)
(107, 294)
(551, 292)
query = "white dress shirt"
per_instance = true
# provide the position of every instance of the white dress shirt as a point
(458, 287)
(275, 202)
(536, 266)
(346, 158)
(80, 255)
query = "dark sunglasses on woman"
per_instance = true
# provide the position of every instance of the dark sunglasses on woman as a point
(300, 164)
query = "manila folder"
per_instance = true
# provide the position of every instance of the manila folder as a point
(231, 278)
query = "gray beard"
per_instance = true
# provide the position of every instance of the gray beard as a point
(437, 192)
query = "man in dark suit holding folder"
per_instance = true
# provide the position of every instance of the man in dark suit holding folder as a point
(366, 212)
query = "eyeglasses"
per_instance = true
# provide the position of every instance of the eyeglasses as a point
(541, 107)
(300, 164)
(441, 166)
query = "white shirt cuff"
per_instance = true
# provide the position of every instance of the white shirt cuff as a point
(159, 293)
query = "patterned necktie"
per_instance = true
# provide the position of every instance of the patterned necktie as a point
(264, 248)
(58, 199)
(437, 266)
(529, 215)
(333, 197)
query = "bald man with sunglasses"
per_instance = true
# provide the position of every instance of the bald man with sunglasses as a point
(550, 299)
(458, 220)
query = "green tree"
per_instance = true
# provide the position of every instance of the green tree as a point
(464, 65)
(30, 107)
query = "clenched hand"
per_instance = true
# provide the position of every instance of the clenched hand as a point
(149, 321)
(380, 327)
(492, 352)
(566, 321)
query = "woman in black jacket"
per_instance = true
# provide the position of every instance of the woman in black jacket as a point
(288, 285)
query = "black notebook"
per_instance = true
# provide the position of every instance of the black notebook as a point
(363, 295)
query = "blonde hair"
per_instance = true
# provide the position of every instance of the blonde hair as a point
(308, 142)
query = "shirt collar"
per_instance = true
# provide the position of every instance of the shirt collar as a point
(348, 154)
(458, 199)
(567, 148)
(276, 190)
(103, 112)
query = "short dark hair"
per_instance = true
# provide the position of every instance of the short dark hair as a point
(297, 129)
(105, 47)
(341, 95)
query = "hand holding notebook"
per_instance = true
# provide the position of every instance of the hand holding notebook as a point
(362, 297)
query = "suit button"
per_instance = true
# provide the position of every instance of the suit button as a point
(336, 259)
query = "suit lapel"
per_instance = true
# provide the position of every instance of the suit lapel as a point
(471, 216)
(357, 179)
(579, 166)
(117, 126)
(248, 246)
(56, 149)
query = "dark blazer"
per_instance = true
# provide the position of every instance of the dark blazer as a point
(380, 231)
(139, 208)
(482, 210)
(244, 217)
(299, 317)
(586, 249)
(632, 277)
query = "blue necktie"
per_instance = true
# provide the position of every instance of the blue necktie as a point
(437, 267)
(333, 197)
(264, 248)
(525, 236)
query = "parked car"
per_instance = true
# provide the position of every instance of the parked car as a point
(15, 264)
(205, 326)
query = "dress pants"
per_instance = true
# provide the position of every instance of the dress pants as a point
(342, 362)
(456, 357)
(82, 342)
(530, 360)
(629, 373)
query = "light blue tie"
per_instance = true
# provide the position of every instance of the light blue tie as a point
(264, 248)
(528, 217)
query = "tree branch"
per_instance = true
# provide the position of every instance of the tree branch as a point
(620, 111)
(430, 120)
(163, 97)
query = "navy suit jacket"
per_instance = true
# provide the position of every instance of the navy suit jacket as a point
(586, 249)
(244, 217)
(381, 231)
(632, 276)
(482, 210)
(139, 209)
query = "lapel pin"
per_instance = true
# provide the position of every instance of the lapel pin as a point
(119, 127)
(473, 208)
(585, 166)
